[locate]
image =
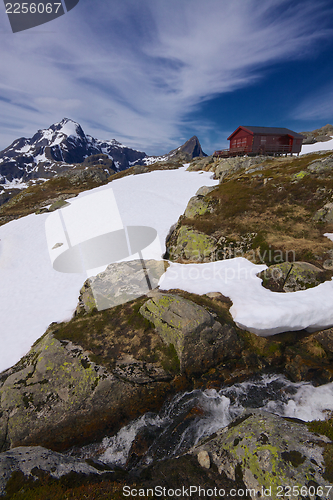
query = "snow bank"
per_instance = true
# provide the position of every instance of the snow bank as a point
(254, 307)
(317, 146)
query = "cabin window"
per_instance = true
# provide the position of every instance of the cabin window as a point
(244, 141)
(263, 140)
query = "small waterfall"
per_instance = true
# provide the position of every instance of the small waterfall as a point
(190, 416)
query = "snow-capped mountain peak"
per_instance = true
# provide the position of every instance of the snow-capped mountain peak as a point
(57, 148)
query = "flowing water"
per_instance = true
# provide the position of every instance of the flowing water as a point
(190, 416)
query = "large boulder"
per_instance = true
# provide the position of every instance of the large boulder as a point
(121, 282)
(200, 341)
(321, 165)
(58, 386)
(232, 165)
(198, 205)
(271, 455)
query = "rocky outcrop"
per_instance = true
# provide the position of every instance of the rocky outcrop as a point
(324, 214)
(319, 135)
(187, 244)
(321, 165)
(31, 461)
(269, 454)
(232, 165)
(292, 276)
(120, 283)
(58, 386)
(199, 340)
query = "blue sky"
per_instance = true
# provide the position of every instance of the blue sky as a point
(152, 73)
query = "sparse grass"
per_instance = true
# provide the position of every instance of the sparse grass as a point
(117, 331)
(279, 210)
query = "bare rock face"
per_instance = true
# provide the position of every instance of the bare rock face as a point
(199, 340)
(269, 453)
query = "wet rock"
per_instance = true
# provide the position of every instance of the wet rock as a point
(267, 451)
(120, 283)
(32, 460)
(199, 340)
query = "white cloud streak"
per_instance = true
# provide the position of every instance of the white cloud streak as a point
(135, 70)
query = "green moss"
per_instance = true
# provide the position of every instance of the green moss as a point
(170, 360)
(324, 427)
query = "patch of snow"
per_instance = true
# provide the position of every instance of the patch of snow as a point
(41, 158)
(329, 236)
(317, 146)
(15, 184)
(24, 149)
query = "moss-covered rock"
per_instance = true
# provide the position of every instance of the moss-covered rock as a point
(58, 386)
(199, 340)
(269, 453)
(197, 205)
(292, 276)
(189, 244)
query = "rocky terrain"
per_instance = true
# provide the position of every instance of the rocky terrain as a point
(88, 377)
(319, 135)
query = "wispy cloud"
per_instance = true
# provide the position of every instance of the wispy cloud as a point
(136, 70)
(316, 106)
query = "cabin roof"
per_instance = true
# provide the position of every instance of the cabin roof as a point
(267, 131)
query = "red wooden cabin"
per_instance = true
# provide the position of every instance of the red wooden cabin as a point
(262, 141)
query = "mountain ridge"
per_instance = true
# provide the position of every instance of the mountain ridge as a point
(64, 144)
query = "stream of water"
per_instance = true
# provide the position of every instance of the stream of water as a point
(190, 416)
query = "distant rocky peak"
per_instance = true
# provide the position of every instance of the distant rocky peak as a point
(192, 147)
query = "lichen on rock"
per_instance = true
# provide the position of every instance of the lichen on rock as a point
(269, 452)
(200, 341)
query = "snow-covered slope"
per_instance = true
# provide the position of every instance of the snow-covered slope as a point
(33, 294)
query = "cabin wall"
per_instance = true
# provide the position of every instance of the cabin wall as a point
(242, 139)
